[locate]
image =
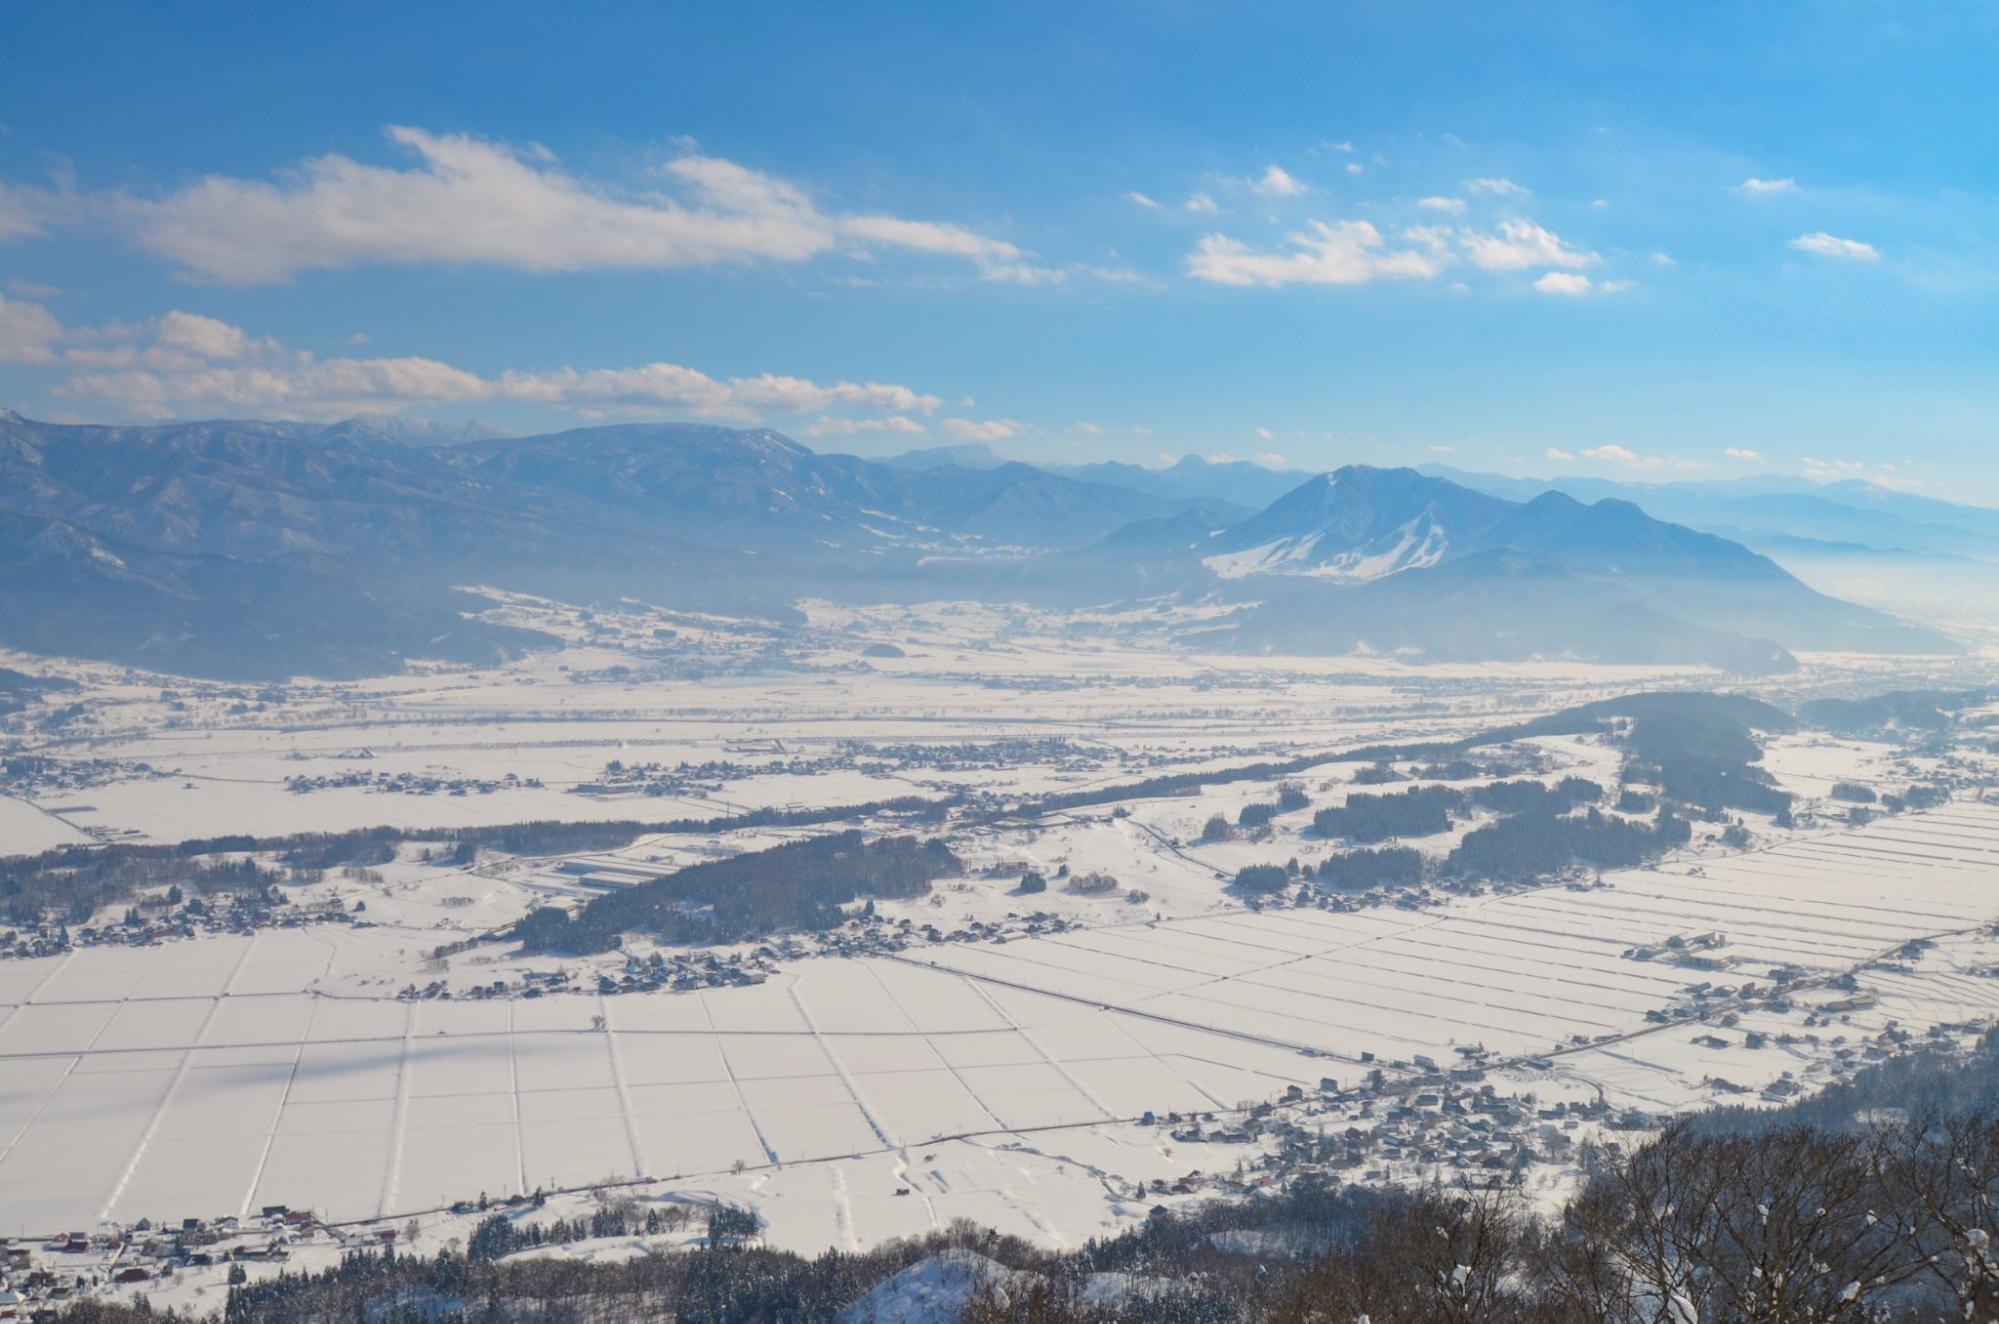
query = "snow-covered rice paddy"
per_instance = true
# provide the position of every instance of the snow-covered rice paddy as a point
(218, 1075)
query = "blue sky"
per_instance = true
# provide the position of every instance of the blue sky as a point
(1646, 241)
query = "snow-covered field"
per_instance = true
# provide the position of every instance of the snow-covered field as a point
(856, 1098)
(190, 759)
(996, 1082)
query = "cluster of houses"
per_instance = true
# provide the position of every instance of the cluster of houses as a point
(676, 972)
(619, 778)
(1439, 1124)
(40, 1275)
(706, 778)
(531, 984)
(686, 971)
(409, 783)
(30, 775)
(1696, 951)
(222, 913)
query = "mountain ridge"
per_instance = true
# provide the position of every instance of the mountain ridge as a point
(145, 526)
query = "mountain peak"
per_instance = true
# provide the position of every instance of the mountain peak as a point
(965, 455)
(417, 431)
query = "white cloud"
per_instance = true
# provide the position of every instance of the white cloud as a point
(1826, 471)
(991, 429)
(1664, 259)
(1355, 167)
(27, 211)
(1450, 206)
(1883, 475)
(1116, 275)
(1558, 454)
(797, 395)
(1440, 449)
(1201, 204)
(1763, 188)
(1342, 253)
(1088, 429)
(1820, 244)
(1563, 282)
(472, 201)
(1354, 252)
(827, 425)
(1436, 238)
(1277, 182)
(203, 336)
(995, 258)
(184, 362)
(28, 332)
(1134, 196)
(1496, 187)
(29, 289)
(1265, 434)
(1521, 244)
(1744, 455)
(1270, 460)
(1611, 453)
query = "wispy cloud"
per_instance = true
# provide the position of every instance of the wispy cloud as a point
(1277, 182)
(27, 210)
(1763, 188)
(28, 332)
(1354, 252)
(1494, 186)
(1820, 244)
(991, 429)
(1743, 455)
(1200, 204)
(1449, 206)
(1339, 253)
(1138, 199)
(470, 200)
(828, 425)
(183, 362)
(1521, 244)
(1563, 282)
(1826, 471)
(1612, 453)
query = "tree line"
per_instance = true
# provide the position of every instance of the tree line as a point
(799, 885)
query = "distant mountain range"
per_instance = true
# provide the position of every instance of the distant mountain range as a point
(254, 549)
(1466, 573)
(1188, 478)
(1846, 516)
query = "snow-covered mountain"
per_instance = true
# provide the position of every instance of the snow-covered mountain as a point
(1445, 566)
(252, 548)
(1357, 524)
